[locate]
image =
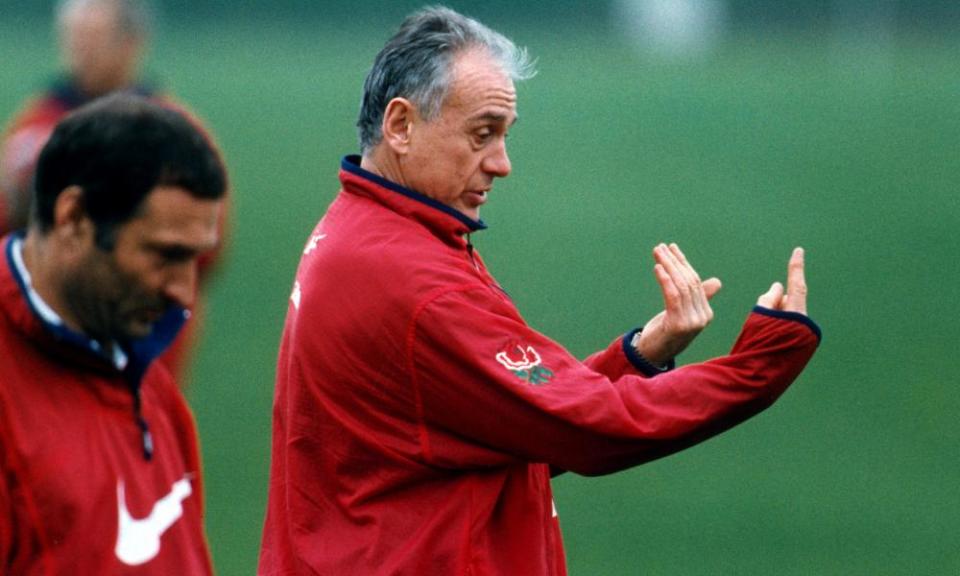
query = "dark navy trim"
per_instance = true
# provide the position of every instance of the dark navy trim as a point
(144, 351)
(793, 316)
(638, 361)
(351, 163)
(66, 92)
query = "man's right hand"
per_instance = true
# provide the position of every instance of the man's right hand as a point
(686, 302)
(795, 298)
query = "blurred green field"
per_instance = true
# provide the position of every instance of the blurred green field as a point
(774, 142)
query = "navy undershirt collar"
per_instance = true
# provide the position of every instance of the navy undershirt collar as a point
(66, 91)
(351, 163)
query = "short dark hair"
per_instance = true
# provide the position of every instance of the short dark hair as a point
(117, 149)
(416, 64)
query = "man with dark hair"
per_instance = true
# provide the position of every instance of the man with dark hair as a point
(99, 464)
(417, 417)
(102, 44)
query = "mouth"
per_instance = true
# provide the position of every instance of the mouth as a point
(151, 315)
(477, 197)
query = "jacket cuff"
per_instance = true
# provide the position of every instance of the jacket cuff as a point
(793, 316)
(643, 365)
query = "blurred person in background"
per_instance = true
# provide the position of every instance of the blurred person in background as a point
(102, 44)
(99, 461)
(417, 418)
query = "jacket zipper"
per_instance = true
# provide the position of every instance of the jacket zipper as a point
(473, 260)
(146, 438)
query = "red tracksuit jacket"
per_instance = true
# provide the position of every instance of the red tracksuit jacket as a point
(78, 495)
(417, 417)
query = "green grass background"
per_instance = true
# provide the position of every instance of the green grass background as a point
(773, 142)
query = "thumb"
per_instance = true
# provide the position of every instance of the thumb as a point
(711, 286)
(773, 297)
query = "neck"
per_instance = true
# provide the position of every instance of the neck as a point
(383, 165)
(40, 260)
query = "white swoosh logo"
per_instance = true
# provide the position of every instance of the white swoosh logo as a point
(138, 540)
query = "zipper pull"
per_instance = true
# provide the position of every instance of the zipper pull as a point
(146, 437)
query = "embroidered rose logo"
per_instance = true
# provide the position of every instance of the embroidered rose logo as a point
(525, 363)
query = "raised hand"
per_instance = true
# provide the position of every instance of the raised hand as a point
(795, 298)
(686, 306)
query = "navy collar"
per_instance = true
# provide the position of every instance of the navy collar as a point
(351, 164)
(66, 91)
(131, 358)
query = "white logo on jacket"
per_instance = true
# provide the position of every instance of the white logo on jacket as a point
(138, 540)
(295, 295)
(312, 243)
(528, 359)
(524, 362)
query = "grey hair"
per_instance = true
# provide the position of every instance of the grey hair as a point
(134, 17)
(416, 64)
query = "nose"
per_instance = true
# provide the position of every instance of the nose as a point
(181, 284)
(497, 162)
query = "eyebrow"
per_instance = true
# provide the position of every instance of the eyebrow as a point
(495, 117)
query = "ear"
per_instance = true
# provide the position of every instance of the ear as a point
(398, 124)
(70, 219)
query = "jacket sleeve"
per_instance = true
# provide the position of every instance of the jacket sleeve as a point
(490, 390)
(9, 523)
(621, 358)
(6, 518)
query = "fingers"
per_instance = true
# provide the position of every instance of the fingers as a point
(772, 298)
(796, 300)
(701, 292)
(684, 293)
(685, 267)
(677, 298)
(671, 296)
(676, 277)
(794, 297)
(711, 286)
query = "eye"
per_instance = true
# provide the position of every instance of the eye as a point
(174, 254)
(483, 135)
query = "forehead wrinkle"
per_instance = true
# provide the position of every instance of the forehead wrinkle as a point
(489, 103)
(178, 218)
(495, 117)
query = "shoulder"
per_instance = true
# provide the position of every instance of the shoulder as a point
(43, 110)
(361, 241)
(28, 132)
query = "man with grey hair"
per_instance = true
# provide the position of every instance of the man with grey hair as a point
(417, 417)
(102, 44)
